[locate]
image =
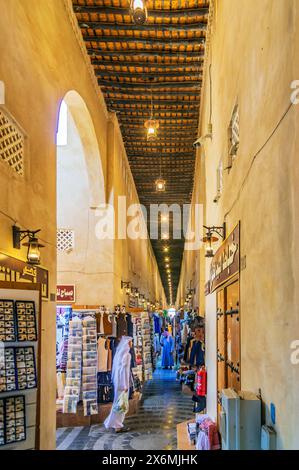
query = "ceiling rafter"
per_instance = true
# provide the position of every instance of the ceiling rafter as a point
(157, 13)
(103, 26)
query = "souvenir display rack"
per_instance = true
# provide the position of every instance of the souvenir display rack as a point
(146, 347)
(20, 310)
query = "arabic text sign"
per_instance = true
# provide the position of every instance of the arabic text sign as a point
(226, 262)
(65, 293)
(15, 270)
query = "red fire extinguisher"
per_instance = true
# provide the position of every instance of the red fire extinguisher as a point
(201, 388)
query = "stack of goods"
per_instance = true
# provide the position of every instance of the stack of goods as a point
(89, 369)
(137, 337)
(207, 434)
(73, 377)
(146, 346)
(192, 434)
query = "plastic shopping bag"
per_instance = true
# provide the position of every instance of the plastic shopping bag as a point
(122, 403)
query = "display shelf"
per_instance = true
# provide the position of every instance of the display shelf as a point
(26, 355)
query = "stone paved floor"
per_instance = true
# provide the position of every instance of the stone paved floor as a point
(162, 407)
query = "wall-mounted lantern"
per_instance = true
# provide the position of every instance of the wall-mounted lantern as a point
(210, 238)
(33, 245)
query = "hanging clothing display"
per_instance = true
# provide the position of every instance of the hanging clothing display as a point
(121, 377)
(100, 321)
(184, 333)
(122, 327)
(197, 356)
(157, 324)
(129, 324)
(108, 323)
(157, 345)
(102, 355)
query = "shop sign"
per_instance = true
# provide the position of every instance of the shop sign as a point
(15, 270)
(226, 262)
(66, 293)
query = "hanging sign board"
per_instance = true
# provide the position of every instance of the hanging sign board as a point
(226, 262)
(66, 293)
(15, 270)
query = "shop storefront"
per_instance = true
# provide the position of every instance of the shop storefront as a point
(225, 283)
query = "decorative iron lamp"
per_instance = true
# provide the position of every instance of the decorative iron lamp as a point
(33, 245)
(152, 125)
(160, 184)
(209, 239)
(139, 11)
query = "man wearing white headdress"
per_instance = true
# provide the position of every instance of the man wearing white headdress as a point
(121, 377)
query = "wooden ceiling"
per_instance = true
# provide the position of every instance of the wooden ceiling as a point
(162, 59)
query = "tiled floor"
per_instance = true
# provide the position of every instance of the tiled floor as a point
(163, 406)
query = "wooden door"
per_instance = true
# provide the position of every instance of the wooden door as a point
(221, 345)
(233, 336)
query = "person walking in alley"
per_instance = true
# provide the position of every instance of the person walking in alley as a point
(167, 344)
(121, 377)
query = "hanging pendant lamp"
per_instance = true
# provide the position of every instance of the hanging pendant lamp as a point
(160, 183)
(139, 11)
(152, 125)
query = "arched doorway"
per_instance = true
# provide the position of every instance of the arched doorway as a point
(82, 259)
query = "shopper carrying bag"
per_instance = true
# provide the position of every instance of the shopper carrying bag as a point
(121, 378)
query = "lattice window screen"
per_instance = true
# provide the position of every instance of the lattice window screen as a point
(234, 136)
(11, 144)
(65, 240)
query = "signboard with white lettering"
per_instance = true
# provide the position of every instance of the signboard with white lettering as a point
(66, 293)
(15, 270)
(226, 262)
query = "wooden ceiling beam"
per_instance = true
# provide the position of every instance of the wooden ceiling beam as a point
(158, 42)
(145, 114)
(178, 140)
(146, 75)
(104, 26)
(147, 102)
(148, 65)
(147, 53)
(110, 10)
(174, 119)
(183, 154)
(156, 94)
(192, 84)
(163, 127)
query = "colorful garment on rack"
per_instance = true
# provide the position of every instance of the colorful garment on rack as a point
(102, 355)
(157, 324)
(208, 437)
(122, 325)
(197, 355)
(108, 323)
(129, 325)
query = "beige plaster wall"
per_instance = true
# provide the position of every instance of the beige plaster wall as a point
(254, 55)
